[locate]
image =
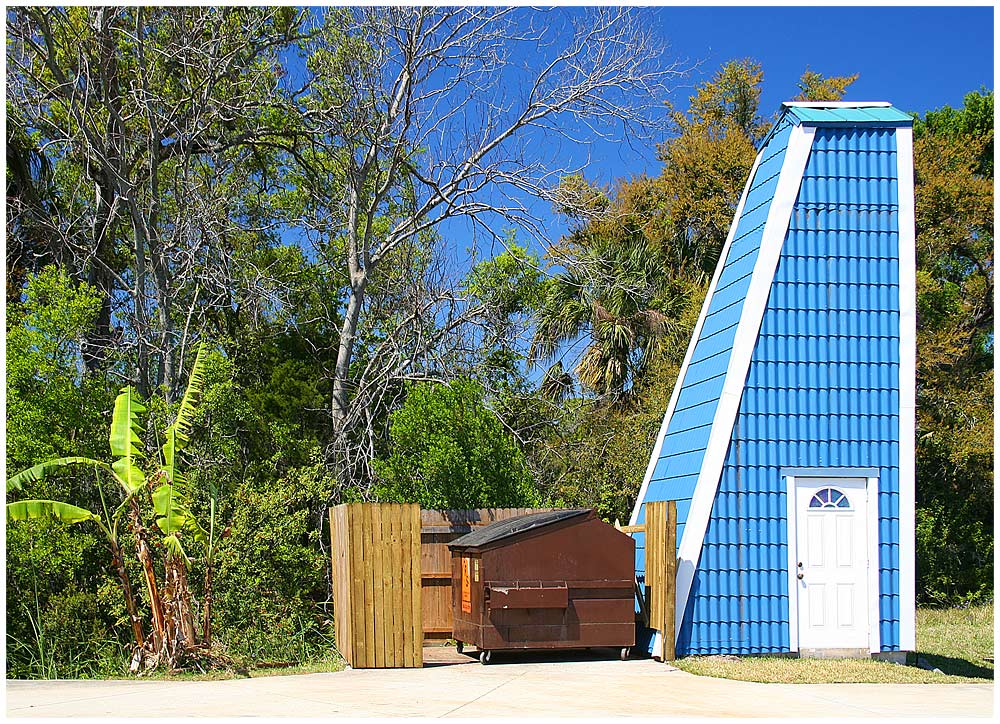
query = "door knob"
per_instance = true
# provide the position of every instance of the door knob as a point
(800, 576)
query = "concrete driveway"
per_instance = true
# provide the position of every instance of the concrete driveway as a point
(539, 686)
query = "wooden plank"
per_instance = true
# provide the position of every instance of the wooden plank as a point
(406, 609)
(340, 585)
(349, 585)
(669, 581)
(650, 510)
(365, 563)
(355, 524)
(416, 623)
(376, 556)
(346, 584)
(337, 551)
(395, 525)
(633, 528)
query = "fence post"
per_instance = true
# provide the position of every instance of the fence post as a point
(670, 588)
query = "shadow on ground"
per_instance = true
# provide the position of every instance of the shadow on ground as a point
(448, 656)
(957, 667)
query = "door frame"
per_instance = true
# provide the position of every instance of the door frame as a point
(871, 475)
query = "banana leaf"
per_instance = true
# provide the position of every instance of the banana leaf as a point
(174, 514)
(179, 433)
(172, 500)
(125, 441)
(22, 510)
(42, 469)
(174, 547)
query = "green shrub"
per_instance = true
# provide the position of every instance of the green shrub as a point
(449, 451)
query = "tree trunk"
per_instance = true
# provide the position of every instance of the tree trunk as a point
(185, 606)
(180, 633)
(206, 621)
(94, 347)
(146, 559)
(340, 397)
(133, 611)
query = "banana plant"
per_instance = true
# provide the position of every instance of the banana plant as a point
(68, 514)
(172, 500)
(125, 447)
(171, 495)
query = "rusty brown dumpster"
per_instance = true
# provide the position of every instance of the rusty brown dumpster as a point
(559, 579)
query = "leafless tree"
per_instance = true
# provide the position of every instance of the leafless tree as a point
(144, 111)
(418, 116)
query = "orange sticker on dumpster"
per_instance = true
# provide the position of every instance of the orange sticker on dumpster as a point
(466, 587)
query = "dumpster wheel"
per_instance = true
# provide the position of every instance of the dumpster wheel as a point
(459, 646)
(485, 657)
(625, 653)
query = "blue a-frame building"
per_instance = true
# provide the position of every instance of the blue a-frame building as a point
(789, 439)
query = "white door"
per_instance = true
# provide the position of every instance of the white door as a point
(831, 567)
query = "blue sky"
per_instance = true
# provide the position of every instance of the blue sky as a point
(919, 58)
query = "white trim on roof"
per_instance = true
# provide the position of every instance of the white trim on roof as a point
(837, 104)
(658, 447)
(907, 390)
(772, 239)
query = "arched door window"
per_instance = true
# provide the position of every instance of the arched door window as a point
(829, 498)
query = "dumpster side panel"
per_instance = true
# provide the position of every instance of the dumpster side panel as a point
(564, 585)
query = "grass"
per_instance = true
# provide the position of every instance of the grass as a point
(329, 664)
(956, 641)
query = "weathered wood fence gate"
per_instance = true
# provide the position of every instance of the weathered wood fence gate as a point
(658, 599)
(376, 584)
(661, 572)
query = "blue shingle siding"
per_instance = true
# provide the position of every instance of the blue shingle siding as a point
(683, 450)
(822, 391)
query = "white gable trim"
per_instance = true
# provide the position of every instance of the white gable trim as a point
(723, 256)
(836, 104)
(772, 239)
(907, 390)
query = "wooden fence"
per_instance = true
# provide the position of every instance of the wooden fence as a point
(661, 572)
(438, 528)
(376, 584)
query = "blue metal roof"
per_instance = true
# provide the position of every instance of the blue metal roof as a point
(822, 391)
(841, 114)
(683, 449)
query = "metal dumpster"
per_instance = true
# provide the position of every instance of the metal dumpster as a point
(559, 579)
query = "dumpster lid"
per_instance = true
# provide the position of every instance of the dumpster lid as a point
(512, 526)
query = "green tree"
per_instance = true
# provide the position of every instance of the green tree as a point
(815, 87)
(55, 572)
(618, 288)
(449, 450)
(178, 110)
(634, 269)
(953, 159)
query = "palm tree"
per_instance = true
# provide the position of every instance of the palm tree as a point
(618, 295)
